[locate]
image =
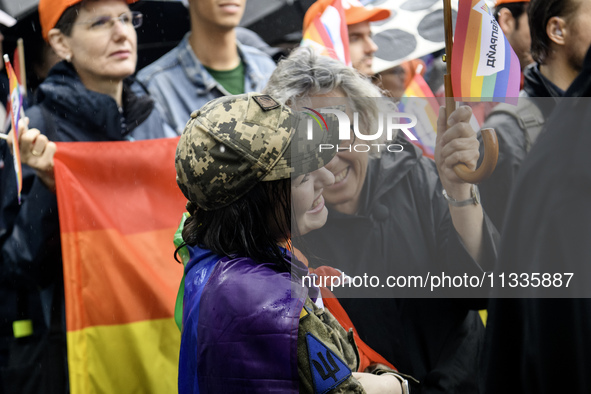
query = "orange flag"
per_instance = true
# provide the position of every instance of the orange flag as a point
(119, 207)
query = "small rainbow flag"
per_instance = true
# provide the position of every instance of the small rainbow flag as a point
(419, 100)
(325, 30)
(16, 107)
(484, 66)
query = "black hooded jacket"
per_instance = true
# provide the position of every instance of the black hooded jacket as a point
(538, 344)
(30, 263)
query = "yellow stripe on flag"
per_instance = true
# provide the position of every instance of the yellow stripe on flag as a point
(476, 81)
(483, 315)
(117, 362)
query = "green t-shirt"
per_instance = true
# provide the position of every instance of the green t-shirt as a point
(231, 80)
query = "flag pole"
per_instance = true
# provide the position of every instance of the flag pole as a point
(450, 102)
(21, 59)
(489, 137)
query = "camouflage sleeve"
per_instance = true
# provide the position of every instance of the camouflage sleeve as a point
(327, 355)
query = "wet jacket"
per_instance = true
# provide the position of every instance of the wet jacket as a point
(403, 227)
(514, 144)
(247, 327)
(29, 233)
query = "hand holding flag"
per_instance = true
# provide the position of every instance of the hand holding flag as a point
(36, 151)
(475, 22)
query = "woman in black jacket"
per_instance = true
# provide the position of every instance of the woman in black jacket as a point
(86, 97)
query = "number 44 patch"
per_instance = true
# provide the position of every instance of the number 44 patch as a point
(328, 370)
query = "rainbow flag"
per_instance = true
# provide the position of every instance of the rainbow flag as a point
(419, 100)
(325, 30)
(484, 66)
(16, 108)
(119, 207)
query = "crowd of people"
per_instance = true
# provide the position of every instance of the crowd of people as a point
(267, 208)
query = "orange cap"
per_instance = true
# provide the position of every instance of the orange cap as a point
(499, 2)
(355, 12)
(50, 11)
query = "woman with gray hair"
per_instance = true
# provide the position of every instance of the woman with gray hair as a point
(399, 214)
(304, 75)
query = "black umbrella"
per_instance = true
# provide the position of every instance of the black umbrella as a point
(29, 29)
(274, 20)
(165, 24)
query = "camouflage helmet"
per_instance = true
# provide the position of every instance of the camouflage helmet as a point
(234, 142)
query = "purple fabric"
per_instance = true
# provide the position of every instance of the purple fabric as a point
(240, 326)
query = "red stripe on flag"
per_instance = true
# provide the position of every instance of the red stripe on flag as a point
(326, 39)
(459, 46)
(17, 65)
(98, 180)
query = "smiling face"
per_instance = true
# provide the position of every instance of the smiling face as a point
(348, 166)
(349, 169)
(98, 53)
(225, 14)
(309, 211)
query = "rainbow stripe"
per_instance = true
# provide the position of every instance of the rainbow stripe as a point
(119, 206)
(419, 100)
(16, 107)
(472, 43)
(327, 33)
(316, 118)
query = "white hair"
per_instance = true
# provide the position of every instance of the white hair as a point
(306, 74)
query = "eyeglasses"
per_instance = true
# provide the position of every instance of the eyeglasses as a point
(127, 19)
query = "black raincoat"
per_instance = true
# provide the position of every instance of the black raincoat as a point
(404, 227)
(534, 344)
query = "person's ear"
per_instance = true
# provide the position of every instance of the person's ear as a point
(60, 44)
(556, 30)
(506, 21)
